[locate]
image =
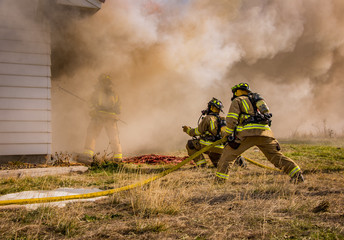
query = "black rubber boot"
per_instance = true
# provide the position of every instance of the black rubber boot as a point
(219, 181)
(297, 178)
(240, 161)
(85, 159)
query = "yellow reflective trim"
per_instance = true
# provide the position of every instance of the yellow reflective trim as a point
(232, 115)
(229, 130)
(212, 125)
(204, 142)
(253, 126)
(245, 116)
(117, 155)
(246, 106)
(188, 131)
(197, 132)
(111, 113)
(89, 152)
(201, 162)
(294, 171)
(222, 175)
(207, 143)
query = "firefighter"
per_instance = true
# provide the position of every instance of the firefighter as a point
(105, 110)
(207, 132)
(248, 124)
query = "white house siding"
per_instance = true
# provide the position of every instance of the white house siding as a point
(25, 100)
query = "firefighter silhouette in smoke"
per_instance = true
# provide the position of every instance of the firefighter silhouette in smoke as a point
(207, 132)
(248, 124)
(105, 110)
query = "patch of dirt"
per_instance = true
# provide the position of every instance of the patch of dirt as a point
(154, 159)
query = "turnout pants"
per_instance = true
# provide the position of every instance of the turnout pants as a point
(111, 129)
(214, 153)
(270, 148)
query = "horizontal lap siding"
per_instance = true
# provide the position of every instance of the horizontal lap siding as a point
(24, 149)
(22, 34)
(24, 81)
(25, 92)
(25, 96)
(27, 138)
(24, 70)
(25, 126)
(24, 115)
(25, 104)
(24, 47)
(25, 58)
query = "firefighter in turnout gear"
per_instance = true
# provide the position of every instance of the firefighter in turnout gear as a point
(207, 132)
(105, 109)
(248, 124)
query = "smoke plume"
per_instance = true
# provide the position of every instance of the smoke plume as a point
(169, 58)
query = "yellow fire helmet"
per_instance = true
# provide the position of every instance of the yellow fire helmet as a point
(216, 103)
(242, 86)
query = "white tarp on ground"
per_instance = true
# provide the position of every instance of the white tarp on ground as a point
(52, 193)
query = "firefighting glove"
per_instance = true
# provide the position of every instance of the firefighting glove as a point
(224, 138)
(186, 128)
(227, 137)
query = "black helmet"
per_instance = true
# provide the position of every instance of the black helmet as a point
(216, 103)
(242, 86)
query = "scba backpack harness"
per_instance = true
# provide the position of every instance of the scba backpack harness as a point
(261, 110)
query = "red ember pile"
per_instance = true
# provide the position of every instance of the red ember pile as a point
(154, 159)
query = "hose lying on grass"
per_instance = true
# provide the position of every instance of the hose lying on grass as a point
(261, 165)
(116, 190)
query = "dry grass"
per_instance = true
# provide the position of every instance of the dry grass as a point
(253, 204)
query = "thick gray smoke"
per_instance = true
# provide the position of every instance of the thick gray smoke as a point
(169, 58)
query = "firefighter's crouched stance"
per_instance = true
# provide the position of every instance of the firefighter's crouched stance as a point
(105, 108)
(248, 124)
(207, 132)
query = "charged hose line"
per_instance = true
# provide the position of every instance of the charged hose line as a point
(111, 191)
(261, 165)
(128, 187)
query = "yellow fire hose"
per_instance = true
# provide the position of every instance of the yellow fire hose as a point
(116, 190)
(111, 191)
(261, 165)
